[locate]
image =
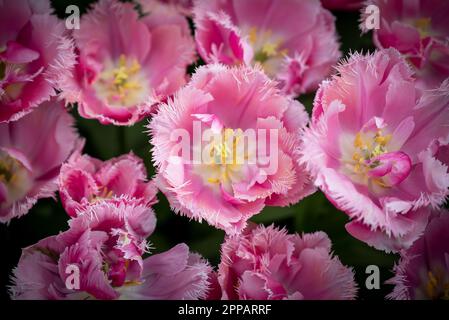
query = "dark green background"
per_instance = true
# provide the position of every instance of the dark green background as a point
(312, 214)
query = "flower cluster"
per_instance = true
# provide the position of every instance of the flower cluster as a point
(106, 243)
(227, 140)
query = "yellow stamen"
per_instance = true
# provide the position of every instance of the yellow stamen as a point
(380, 183)
(224, 154)
(213, 180)
(382, 140)
(104, 194)
(130, 283)
(435, 287)
(377, 151)
(122, 83)
(368, 146)
(265, 45)
(358, 141)
(252, 37)
(14, 176)
(423, 26)
(431, 286)
(8, 166)
(270, 48)
(357, 157)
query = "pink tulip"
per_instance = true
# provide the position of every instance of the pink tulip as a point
(423, 271)
(85, 180)
(34, 52)
(376, 148)
(265, 263)
(129, 63)
(104, 246)
(250, 163)
(32, 151)
(418, 30)
(293, 40)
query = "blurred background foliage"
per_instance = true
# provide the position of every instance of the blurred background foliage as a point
(105, 141)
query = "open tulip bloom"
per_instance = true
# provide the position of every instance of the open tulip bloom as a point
(224, 150)
(377, 147)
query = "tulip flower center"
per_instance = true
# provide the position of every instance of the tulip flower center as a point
(436, 288)
(223, 159)
(368, 148)
(14, 176)
(267, 49)
(224, 155)
(371, 160)
(6, 169)
(104, 193)
(122, 83)
(11, 91)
